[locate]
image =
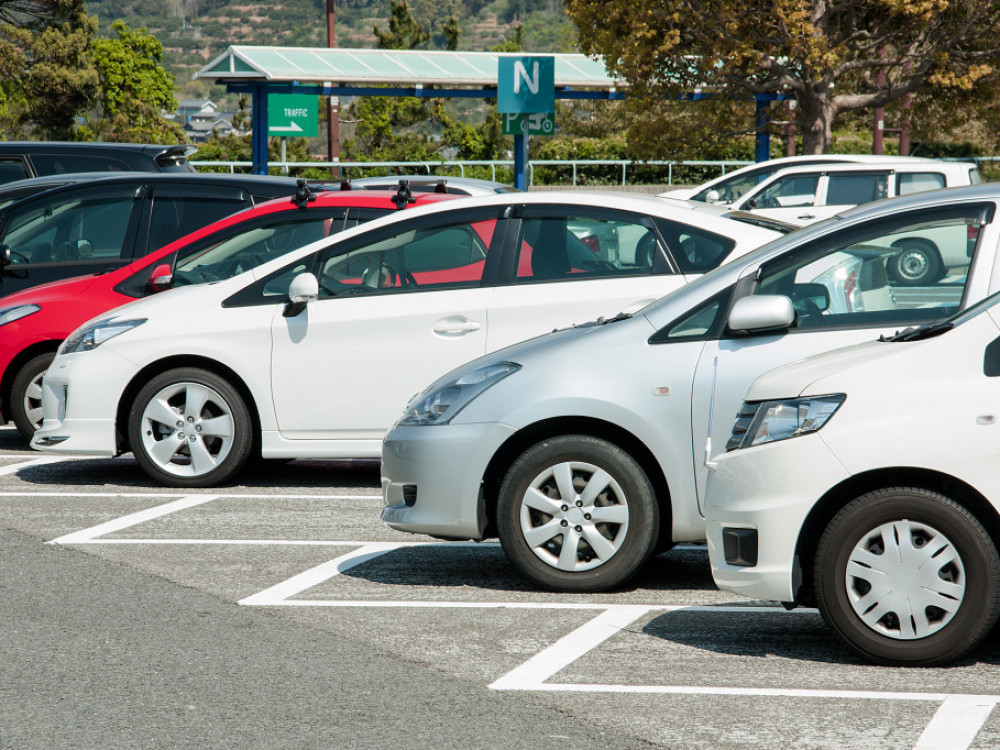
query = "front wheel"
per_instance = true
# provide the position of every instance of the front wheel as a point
(577, 513)
(26, 395)
(917, 263)
(908, 577)
(190, 428)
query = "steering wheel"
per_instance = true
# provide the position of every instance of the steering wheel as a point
(813, 315)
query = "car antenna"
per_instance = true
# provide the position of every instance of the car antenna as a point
(303, 195)
(403, 195)
(441, 186)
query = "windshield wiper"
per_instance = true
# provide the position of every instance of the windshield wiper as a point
(921, 332)
(620, 316)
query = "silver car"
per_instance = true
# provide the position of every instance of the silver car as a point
(585, 450)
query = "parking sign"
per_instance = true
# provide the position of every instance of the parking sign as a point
(526, 84)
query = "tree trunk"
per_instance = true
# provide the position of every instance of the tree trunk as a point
(818, 113)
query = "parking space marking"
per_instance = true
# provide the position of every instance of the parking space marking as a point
(133, 519)
(14, 468)
(957, 722)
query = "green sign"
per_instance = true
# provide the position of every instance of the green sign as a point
(526, 84)
(536, 123)
(293, 115)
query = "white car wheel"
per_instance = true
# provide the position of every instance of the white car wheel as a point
(908, 577)
(190, 428)
(576, 513)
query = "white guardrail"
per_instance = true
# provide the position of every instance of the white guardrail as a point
(428, 167)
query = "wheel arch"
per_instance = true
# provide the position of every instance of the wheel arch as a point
(15, 365)
(170, 363)
(860, 484)
(533, 433)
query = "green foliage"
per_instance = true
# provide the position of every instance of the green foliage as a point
(404, 32)
(135, 88)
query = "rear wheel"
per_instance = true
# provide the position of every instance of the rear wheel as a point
(908, 577)
(26, 395)
(190, 428)
(917, 263)
(576, 513)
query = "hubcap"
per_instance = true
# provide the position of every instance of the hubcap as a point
(33, 401)
(912, 264)
(574, 516)
(187, 429)
(905, 580)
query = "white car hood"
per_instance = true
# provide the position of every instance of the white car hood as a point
(796, 378)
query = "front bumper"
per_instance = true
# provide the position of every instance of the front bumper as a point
(432, 477)
(769, 489)
(80, 395)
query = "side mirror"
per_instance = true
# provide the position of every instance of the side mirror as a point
(761, 312)
(712, 196)
(4, 256)
(162, 277)
(303, 290)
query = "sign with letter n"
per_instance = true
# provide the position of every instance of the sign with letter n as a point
(526, 84)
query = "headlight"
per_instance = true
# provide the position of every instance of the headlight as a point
(442, 404)
(769, 421)
(93, 335)
(10, 314)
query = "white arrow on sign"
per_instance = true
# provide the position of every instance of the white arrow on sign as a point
(293, 128)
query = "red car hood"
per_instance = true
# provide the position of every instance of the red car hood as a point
(53, 290)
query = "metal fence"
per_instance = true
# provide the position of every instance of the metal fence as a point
(576, 166)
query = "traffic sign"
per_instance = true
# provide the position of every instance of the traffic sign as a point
(535, 123)
(293, 115)
(526, 84)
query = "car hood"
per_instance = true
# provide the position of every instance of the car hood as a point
(43, 293)
(797, 378)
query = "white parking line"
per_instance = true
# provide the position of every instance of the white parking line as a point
(88, 535)
(14, 468)
(957, 722)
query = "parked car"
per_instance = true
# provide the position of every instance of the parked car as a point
(22, 159)
(34, 322)
(99, 225)
(584, 450)
(314, 354)
(429, 183)
(863, 481)
(730, 187)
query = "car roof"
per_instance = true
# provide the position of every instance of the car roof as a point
(424, 183)
(154, 149)
(915, 165)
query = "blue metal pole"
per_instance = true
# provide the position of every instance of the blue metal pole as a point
(258, 138)
(521, 162)
(762, 143)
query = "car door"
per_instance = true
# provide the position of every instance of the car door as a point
(397, 308)
(70, 232)
(842, 294)
(566, 265)
(794, 198)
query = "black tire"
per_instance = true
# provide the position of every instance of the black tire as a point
(26, 395)
(172, 448)
(964, 580)
(628, 497)
(917, 263)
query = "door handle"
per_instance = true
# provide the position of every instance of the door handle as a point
(806, 216)
(456, 325)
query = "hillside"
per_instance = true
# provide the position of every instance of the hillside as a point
(194, 31)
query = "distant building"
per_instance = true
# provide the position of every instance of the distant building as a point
(200, 118)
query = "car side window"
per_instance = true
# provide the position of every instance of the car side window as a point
(582, 247)
(46, 164)
(789, 192)
(694, 250)
(915, 182)
(446, 256)
(174, 216)
(11, 170)
(852, 189)
(70, 227)
(905, 269)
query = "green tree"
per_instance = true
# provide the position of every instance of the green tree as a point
(404, 32)
(46, 75)
(832, 57)
(135, 88)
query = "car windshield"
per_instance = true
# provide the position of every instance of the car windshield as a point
(940, 326)
(249, 249)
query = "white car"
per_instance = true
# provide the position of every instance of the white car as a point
(730, 187)
(314, 354)
(865, 481)
(584, 450)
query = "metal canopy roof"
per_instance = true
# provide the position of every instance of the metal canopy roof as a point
(242, 63)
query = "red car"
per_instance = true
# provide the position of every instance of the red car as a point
(35, 321)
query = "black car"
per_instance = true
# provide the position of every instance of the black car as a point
(22, 159)
(96, 224)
